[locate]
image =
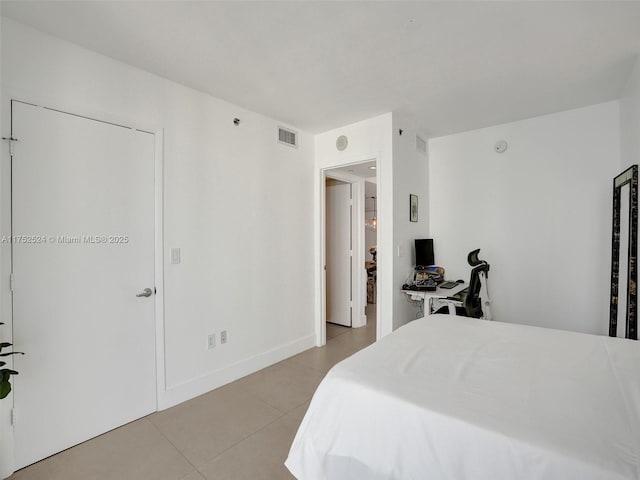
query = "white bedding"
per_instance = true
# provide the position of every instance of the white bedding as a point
(449, 397)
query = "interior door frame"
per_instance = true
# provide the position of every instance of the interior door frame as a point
(6, 262)
(358, 283)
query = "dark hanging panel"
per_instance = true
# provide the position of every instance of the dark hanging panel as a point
(628, 177)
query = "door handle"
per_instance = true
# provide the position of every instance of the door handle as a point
(145, 293)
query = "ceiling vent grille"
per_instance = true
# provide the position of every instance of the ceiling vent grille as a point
(421, 144)
(288, 137)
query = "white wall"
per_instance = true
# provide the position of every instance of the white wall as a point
(238, 204)
(630, 119)
(541, 214)
(630, 127)
(410, 176)
(369, 139)
(402, 170)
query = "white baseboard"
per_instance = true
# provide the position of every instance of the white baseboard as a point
(185, 391)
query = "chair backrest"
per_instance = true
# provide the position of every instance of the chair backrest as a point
(472, 302)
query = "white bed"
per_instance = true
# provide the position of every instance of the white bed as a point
(449, 397)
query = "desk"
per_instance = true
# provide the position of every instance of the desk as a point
(438, 293)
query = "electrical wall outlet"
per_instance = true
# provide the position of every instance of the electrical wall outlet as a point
(223, 336)
(211, 341)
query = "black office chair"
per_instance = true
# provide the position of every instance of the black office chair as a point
(473, 300)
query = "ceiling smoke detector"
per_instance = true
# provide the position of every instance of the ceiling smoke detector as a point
(500, 146)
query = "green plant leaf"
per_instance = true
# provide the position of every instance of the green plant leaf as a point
(2, 364)
(5, 388)
(5, 344)
(11, 353)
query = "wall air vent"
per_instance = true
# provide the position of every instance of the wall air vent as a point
(287, 137)
(421, 144)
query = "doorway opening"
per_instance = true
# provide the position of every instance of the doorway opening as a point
(349, 247)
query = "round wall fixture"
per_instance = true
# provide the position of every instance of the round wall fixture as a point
(342, 142)
(500, 146)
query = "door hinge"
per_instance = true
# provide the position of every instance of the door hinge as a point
(11, 141)
(11, 282)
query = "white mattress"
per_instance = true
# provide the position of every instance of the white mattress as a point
(454, 398)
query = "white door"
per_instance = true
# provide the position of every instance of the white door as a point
(83, 202)
(338, 245)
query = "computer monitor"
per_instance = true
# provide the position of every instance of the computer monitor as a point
(424, 252)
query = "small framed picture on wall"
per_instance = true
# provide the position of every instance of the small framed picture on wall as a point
(413, 208)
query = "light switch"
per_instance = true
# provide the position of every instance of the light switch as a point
(400, 251)
(175, 256)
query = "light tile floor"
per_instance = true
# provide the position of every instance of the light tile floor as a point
(240, 431)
